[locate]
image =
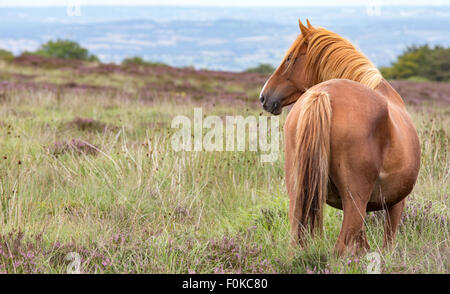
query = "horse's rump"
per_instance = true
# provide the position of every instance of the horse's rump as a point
(340, 115)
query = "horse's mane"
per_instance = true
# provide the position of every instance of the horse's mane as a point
(329, 56)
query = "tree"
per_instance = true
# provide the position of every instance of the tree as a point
(420, 62)
(140, 61)
(65, 49)
(6, 55)
(263, 68)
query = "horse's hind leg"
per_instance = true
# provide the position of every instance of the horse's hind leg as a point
(393, 215)
(352, 237)
(355, 186)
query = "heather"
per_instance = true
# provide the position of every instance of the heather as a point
(87, 167)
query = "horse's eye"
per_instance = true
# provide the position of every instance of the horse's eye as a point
(289, 58)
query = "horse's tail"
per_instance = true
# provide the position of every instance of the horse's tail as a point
(310, 166)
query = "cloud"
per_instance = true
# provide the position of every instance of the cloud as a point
(222, 3)
(119, 39)
(253, 39)
(19, 45)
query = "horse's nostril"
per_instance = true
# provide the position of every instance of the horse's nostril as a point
(262, 99)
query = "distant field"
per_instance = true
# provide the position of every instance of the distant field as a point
(87, 167)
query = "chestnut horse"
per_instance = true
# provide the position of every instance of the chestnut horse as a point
(349, 140)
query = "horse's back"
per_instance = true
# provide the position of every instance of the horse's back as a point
(358, 113)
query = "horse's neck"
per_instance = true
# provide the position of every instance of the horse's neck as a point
(386, 90)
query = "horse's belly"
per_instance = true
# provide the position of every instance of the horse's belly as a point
(388, 190)
(392, 188)
(333, 198)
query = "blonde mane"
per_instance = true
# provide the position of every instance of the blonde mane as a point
(329, 56)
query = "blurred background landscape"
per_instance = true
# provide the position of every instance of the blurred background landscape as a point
(221, 38)
(86, 164)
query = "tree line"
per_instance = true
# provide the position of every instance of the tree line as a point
(420, 63)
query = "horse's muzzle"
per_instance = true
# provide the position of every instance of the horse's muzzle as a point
(273, 108)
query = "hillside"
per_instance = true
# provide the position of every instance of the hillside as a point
(87, 168)
(183, 84)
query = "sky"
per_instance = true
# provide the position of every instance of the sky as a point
(224, 2)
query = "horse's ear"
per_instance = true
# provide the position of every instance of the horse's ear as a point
(309, 24)
(303, 29)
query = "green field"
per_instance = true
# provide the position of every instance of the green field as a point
(87, 167)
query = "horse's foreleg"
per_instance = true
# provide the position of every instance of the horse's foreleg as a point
(352, 236)
(355, 193)
(297, 233)
(393, 215)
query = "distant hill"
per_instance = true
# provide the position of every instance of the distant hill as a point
(220, 38)
(157, 81)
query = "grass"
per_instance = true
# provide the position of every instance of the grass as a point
(133, 205)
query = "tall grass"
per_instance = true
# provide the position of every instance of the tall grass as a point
(134, 205)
